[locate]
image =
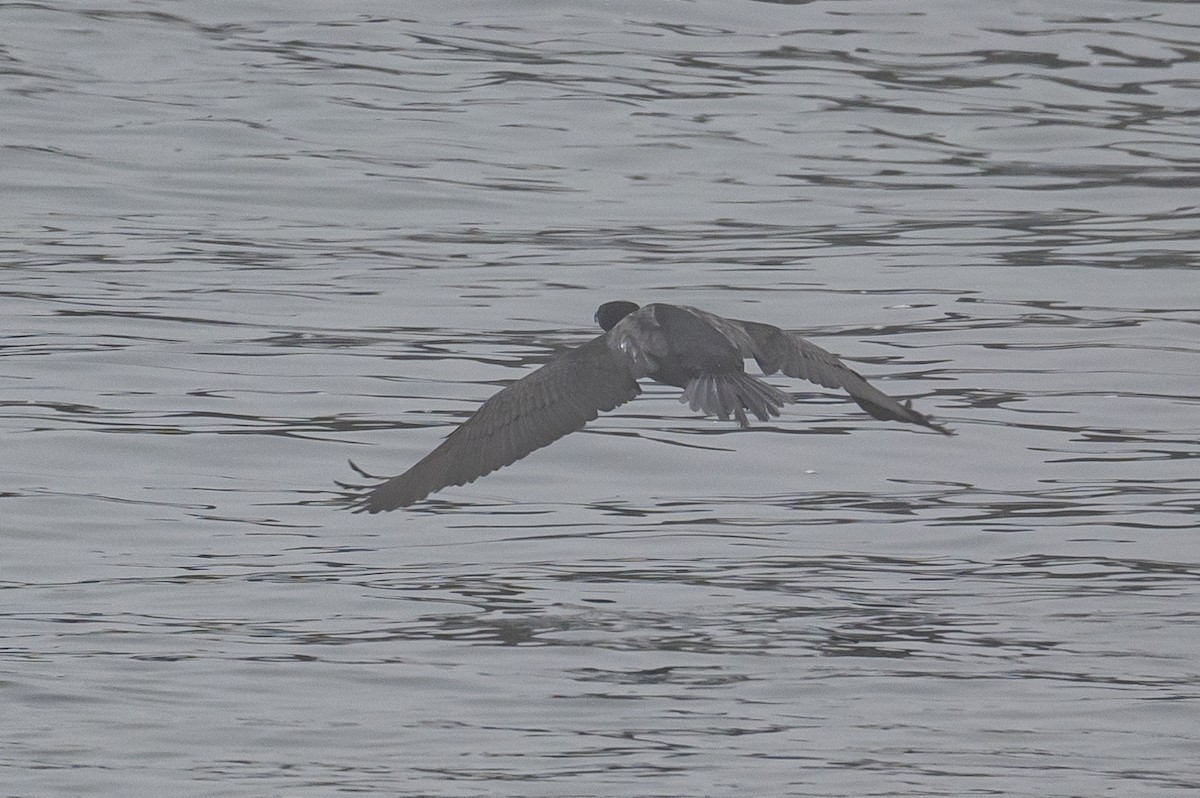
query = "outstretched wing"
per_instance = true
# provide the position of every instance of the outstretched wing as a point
(777, 350)
(536, 410)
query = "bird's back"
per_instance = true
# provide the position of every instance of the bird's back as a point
(693, 346)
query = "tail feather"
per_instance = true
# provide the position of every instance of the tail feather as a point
(724, 394)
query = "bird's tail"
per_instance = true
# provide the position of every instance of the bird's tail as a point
(722, 394)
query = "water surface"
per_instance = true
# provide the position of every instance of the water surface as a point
(244, 243)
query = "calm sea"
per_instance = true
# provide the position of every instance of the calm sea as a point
(243, 243)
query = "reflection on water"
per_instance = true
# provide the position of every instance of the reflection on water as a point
(241, 249)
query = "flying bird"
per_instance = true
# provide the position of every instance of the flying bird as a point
(700, 352)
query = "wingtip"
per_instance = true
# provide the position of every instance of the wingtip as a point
(917, 417)
(360, 498)
(942, 428)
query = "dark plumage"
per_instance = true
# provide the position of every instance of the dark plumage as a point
(673, 344)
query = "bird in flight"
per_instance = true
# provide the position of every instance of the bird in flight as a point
(700, 352)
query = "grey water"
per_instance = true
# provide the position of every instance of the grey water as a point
(244, 243)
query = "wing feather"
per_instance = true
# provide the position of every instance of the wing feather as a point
(777, 350)
(536, 410)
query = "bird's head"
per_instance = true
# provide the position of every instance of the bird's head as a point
(610, 313)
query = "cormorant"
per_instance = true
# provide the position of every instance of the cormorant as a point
(673, 344)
